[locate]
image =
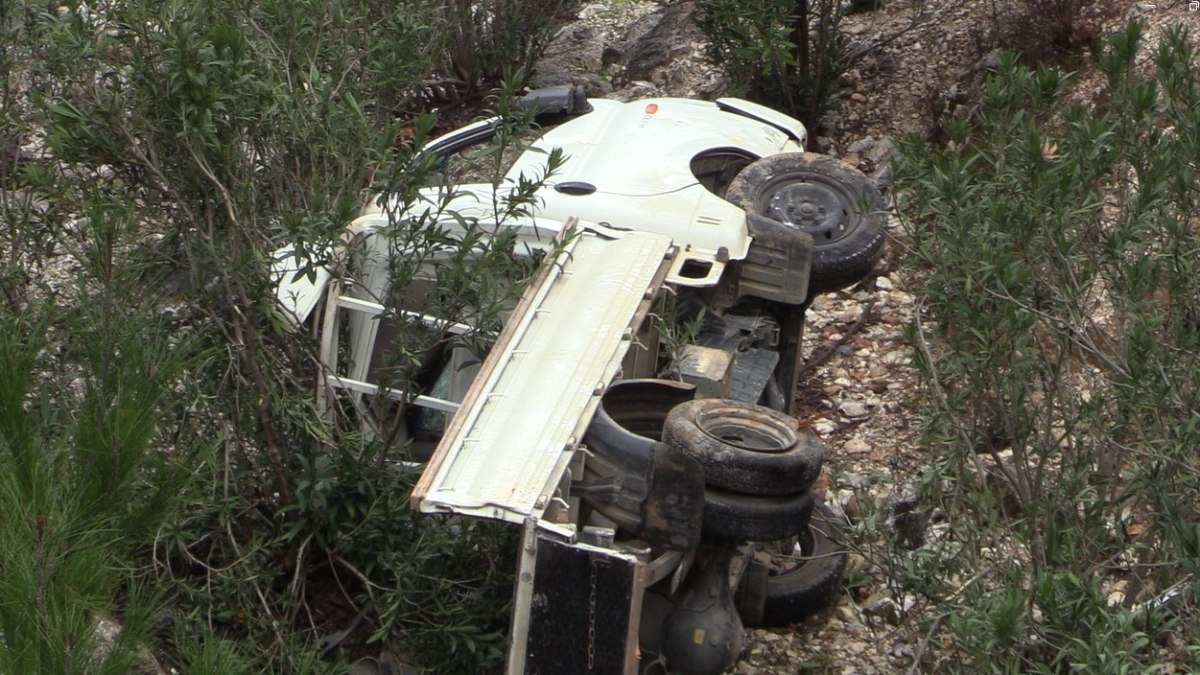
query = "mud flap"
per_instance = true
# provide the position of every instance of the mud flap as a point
(576, 608)
(779, 262)
(674, 506)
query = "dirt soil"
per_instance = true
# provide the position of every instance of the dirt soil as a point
(861, 392)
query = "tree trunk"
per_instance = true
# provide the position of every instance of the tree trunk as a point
(800, 50)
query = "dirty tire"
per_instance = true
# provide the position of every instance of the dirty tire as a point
(822, 195)
(737, 517)
(794, 593)
(745, 448)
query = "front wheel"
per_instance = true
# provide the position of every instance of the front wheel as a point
(834, 202)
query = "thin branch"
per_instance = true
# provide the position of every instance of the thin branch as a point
(940, 396)
(819, 358)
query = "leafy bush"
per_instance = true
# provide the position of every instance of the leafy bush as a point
(168, 149)
(491, 41)
(1060, 345)
(788, 54)
(87, 475)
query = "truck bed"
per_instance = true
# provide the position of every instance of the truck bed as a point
(508, 447)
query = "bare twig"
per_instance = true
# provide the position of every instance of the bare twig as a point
(299, 563)
(924, 644)
(368, 585)
(940, 395)
(819, 358)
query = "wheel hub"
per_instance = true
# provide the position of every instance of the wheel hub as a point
(744, 434)
(815, 208)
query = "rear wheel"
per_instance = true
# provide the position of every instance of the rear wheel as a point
(735, 517)
(749, 449)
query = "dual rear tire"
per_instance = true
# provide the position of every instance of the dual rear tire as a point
(759, 472)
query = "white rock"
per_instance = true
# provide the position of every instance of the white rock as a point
(883, 607)
(856, 446)
(1117, 595)
(882, 150)
(846, 614)
(853, 409)
(592, 10)
(861, 145)
(824, 427)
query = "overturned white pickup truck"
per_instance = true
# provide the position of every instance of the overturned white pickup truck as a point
(659, 516)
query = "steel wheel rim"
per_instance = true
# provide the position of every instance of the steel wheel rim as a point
(823, 208)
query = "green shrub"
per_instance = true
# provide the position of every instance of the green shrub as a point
(185, 142)
(788, 54)
(490, 42)
(87, 475)
(1059, 347)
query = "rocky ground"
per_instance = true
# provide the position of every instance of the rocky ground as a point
(924, 61)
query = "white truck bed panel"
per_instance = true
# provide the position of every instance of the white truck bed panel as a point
(508, 446)
(297, 295)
